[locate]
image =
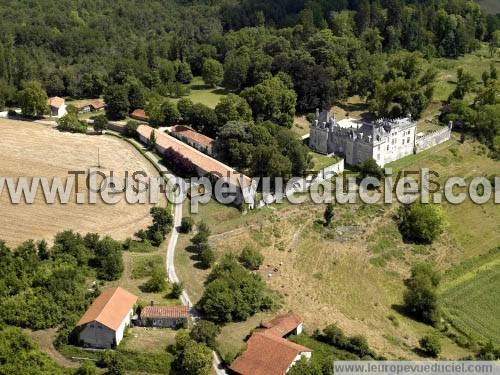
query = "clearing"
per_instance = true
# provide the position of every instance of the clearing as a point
(29, 149)
(203, 93)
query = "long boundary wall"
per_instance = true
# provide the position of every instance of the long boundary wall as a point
(432, 139)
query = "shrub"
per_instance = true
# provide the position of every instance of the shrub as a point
(421, 299)
(158, 282)
(421, 223)
(251, 258)
(207, 256)
(70, 123)
(205, 332)
(100, 124)
(430, 345)
(131, 128)
(186, 225)
(177, 289)
(370, 168)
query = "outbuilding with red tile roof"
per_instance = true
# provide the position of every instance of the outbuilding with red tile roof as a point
(164, 316)
(268, 354)
(103, 324)
(197, 140)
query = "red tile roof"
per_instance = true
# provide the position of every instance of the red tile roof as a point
(97, 104)
(282, 325)
(186, 131)
(202, 161)
(56, 102)
(165, 312)
(139, 114)
(267, 354)
(110, 308)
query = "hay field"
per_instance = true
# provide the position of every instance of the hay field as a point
(29, 149)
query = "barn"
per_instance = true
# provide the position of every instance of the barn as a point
(103, 324)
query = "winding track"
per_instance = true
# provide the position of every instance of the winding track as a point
(170, 264)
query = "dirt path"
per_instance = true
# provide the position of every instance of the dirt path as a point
(45, 339)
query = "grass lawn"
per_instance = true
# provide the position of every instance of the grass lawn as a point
(136, 274)
(148, 339)
(204, 94)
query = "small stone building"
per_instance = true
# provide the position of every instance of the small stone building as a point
(57, 106)
(164, 316)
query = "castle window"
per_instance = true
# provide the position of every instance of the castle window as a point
(408, 140)
(387, 148)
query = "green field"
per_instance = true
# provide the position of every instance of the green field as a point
(471, 298)
(204, 94)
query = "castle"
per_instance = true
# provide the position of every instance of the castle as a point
(383, 140)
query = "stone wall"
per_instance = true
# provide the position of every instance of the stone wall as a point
(432, 139)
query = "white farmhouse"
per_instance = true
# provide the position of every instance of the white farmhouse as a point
(57, 106)
(103, 324)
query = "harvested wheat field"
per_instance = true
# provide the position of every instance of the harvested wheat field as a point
(29, 149)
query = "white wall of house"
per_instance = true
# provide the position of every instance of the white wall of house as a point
(58, 112)
(97, 335)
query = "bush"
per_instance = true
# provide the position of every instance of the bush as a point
(430, 345)
(421, 223)
(251, 258)
(131, 128)
(370, 168)
(205, 332)
(207, 256)
(186, 225)
(70, 123)
(158, 282)
(100, 124)
(421, 298)
(177, 289)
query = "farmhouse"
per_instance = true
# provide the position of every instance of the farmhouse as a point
(164, 316)
(204, 164)
(139, 115)
(268, 352)
(384, 140)
(103, 324)
(92, 106)
(194, 139)
(57, 106)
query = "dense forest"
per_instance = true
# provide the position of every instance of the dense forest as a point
(330, 49)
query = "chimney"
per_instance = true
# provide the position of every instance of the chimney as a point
(152, 303)
(317, 112)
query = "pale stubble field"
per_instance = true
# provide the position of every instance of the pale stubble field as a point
(29, 149)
